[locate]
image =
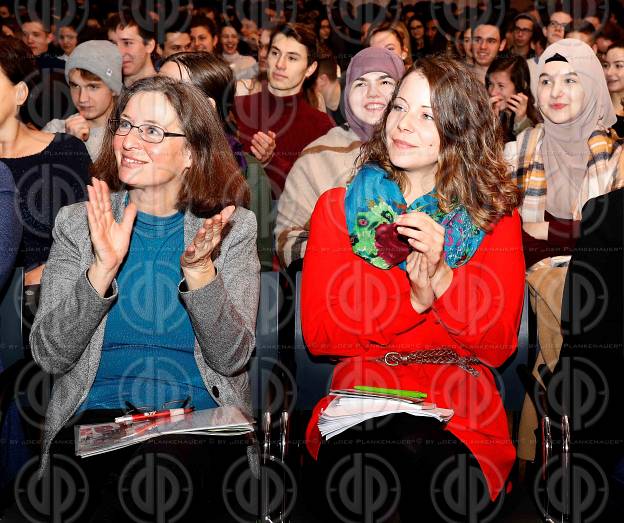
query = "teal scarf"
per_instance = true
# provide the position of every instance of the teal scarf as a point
(372, 203)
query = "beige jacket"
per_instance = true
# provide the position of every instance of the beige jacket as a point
(326, 163)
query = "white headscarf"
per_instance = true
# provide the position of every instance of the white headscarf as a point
(564, 147)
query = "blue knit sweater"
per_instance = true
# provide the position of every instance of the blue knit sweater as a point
(147, 355)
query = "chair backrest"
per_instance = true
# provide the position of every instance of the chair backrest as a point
(313, 374)
(11, 343)
(265, 355)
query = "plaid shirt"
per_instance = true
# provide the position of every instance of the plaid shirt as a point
(605, 170)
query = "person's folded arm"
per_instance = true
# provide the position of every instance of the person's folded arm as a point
(345, 310)
(70, 309)
(223, 312)
(481, 309)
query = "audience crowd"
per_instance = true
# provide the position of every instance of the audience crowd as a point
(419, 162)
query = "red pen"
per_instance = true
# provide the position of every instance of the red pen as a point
(133, 418)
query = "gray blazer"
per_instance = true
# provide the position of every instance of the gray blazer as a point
(68, 330)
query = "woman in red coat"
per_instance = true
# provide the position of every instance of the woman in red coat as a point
(421, 252)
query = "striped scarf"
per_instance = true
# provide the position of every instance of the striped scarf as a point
(605, 171)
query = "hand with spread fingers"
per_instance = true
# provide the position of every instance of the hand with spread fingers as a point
(196, 260)
(263, 146)
(518, 103)
(109, 238)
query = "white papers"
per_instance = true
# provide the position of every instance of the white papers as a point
(347, 411)
(105, 437)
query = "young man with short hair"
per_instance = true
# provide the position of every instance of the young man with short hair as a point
(280, 106)
(584, 31)
(204, 36)
(522, 34)
(136, 43)
(554, 31)
(486, 44)
(177, 39)
(93, 73)
(38, 37)
(328, 86)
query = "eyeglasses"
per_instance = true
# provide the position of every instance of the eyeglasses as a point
(147, 132)
(173, 404)
(557, 25)
(525, 30)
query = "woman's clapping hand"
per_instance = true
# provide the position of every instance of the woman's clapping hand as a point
(110, 239)
(196, 261)
(427, 269)
(425, 236)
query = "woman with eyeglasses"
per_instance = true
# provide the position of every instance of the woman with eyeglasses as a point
(418, 38)
(151, 289)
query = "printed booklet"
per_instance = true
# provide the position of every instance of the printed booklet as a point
(105, 437)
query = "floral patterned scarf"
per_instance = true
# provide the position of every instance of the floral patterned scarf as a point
(372, 203)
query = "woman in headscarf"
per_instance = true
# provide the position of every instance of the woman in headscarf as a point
(328, 162)
(571, 157)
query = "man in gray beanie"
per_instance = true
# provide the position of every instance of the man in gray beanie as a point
(93, 72)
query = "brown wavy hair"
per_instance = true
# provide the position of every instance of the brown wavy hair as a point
(471, 169)
(213, 180)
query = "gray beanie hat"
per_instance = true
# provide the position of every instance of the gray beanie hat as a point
(100, 57)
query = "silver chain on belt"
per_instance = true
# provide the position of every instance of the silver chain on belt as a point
(436, 356)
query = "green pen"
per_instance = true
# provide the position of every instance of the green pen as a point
(392, 392)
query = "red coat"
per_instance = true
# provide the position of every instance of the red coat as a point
(352, 309)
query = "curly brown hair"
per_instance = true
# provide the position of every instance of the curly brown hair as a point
(471, 169)
(213, 180)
